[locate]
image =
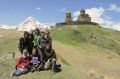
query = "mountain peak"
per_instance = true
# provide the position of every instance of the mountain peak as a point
(30, 24)
(30, 18)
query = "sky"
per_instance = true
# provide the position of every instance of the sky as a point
(104, 12)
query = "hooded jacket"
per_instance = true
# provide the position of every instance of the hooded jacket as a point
(22, 62)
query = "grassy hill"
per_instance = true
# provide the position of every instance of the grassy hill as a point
(84, 34)
(85, 52)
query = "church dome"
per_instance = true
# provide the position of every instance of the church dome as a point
(82, 10)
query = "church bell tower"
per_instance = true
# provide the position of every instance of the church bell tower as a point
(68, 17)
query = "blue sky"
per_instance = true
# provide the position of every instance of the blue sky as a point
(13, 12)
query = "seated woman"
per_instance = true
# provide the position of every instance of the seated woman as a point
(49, 58)
(35, 61)
(23, 42)
(23, 64)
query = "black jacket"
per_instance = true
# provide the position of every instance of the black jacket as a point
(25, 44)
(49, 54)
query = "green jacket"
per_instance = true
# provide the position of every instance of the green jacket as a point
(36, 40)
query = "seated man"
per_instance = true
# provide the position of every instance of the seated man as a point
(49, 58)
(22, 66)
(35, 60)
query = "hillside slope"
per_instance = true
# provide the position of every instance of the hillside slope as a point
(88, 34)
(85, 52)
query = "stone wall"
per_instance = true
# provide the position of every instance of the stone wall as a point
(88, 19)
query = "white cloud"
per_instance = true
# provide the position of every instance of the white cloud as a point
(116, 26)
(75, 14)
(38, 8)
(97, 15)
(114, 7)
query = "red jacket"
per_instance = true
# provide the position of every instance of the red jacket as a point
(22, 62)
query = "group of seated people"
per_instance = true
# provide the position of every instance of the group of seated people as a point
(36, 53)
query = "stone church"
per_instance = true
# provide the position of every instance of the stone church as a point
(83, 18)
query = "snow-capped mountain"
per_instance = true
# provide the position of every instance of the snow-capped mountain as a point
(30, 24)
(4, 26)
(8, 27)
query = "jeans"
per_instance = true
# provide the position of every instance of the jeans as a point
(50, 64)
(20, 71)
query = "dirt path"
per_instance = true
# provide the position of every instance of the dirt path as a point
(90, 61)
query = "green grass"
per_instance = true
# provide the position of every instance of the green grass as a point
(80, 49)
(63, 60)
(9, 47)
(105, 38)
